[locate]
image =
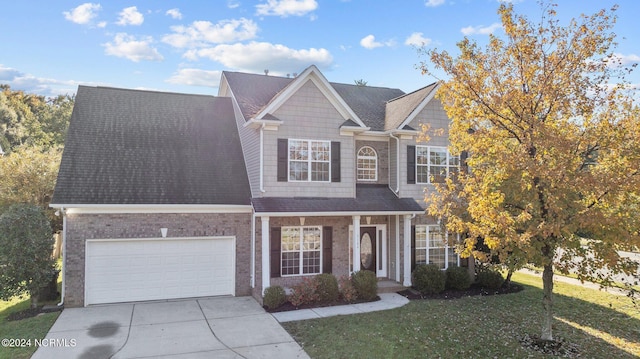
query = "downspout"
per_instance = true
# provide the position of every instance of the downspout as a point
(262, 158)
(253, 249)
(397, 190)
(64, 253)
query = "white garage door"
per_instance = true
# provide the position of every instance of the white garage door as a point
(125, 270)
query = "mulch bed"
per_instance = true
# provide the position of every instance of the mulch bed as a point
(557, 348)
(32, 312)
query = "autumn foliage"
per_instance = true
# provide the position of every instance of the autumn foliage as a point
(552, 133)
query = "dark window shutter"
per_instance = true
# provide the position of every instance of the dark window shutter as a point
(283, 157)
(411, 164)
(275, 252)
(413, 248)
(335, 161)
(327, 244)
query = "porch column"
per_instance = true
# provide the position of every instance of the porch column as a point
(266, 267)
(356, 243)
(407, 250)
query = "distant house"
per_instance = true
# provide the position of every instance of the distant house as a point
(171, 195)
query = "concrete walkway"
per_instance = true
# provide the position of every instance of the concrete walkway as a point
(220, 327)
(387, 301)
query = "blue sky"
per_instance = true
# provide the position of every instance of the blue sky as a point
(50, 47)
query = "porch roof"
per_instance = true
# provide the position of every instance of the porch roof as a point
(370, 199)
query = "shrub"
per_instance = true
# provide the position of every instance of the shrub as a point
(347, 291)
(457, 278)
(489, 278)
(304, 292)
(327, 288)
(26, 244)
(365, 284)
(429, 279)
(274, 297)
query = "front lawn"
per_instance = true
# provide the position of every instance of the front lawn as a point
(595, 323)
(29, 328)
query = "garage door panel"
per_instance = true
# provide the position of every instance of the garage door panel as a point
(141, 269)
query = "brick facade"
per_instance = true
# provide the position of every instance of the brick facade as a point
(81, 227)
(340, 249)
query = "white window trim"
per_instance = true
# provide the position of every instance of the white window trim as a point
(309, 160)
(446, 246)
(428, 164)
(375, 158)
(301, 252)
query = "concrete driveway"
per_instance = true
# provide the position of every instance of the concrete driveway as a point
(221, 327)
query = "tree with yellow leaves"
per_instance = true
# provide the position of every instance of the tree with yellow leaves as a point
(553, 140)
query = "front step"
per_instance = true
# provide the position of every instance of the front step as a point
(389, 286)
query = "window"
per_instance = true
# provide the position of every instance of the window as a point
(367, 164)
(434, 164)
(301, 250)
(309, 160)
(432, 247)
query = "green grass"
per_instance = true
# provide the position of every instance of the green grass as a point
(29, 328)
(599, 324)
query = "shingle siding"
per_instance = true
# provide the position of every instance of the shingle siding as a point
(434, 115)
(308, 115)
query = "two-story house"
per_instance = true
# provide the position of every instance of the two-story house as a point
(171, 195)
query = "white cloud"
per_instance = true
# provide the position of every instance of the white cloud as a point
(196, 77)
(369, 42)
(83, 14)
(202, 33)
(417, 39)
(257, 56)
(481, 30)
(232, 4)
(18, 80)
(129, 47)
(286, 8)
(130, 16)
(619, 60)
(174, 13)
(433, 3)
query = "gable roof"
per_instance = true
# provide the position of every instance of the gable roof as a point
(142, 147)
(255, 92)
(400, 111)
(368, 102)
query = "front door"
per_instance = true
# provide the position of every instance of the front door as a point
(368, 248)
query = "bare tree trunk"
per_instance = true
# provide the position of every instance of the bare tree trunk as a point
(507, 281)
(471, 268)
(547, 301)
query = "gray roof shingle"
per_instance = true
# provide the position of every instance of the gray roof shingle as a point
(143, 147)
(369, 198)
(399, 109)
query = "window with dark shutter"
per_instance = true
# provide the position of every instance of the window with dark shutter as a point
(283, 153)
(275, 252)
(327, 244)
(335, 161)
(411, 164)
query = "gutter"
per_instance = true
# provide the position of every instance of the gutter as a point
(262, 190)
(64, 253)
(397, 190)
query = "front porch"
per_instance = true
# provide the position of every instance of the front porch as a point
(389, 286)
